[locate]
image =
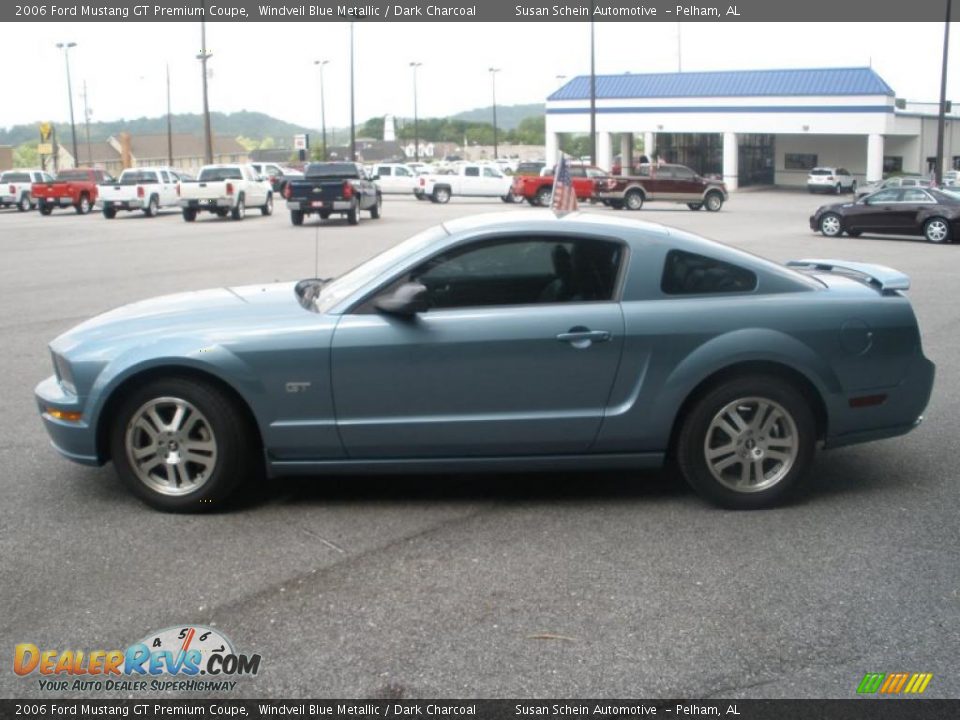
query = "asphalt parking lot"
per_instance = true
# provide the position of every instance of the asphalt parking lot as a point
(579, 585)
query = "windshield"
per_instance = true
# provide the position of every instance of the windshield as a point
(214, 174)
(354, 279)
(332, 170)
(16, 177)
(949, 196)
(135, 177)
(73, 175)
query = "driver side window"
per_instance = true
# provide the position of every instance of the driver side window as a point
(884, 196)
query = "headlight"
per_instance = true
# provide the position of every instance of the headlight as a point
(64, 374)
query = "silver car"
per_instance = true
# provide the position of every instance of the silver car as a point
(894, 182)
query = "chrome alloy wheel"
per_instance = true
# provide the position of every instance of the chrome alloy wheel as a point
(171, 446)
(830, 225)
(751, 444)
(937, 230)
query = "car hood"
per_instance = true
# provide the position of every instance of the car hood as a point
(835, 207)
(205, 314)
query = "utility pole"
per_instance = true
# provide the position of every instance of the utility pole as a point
(416, 122)
(323, 109)
(938, 177)
(493, 81)
(353, 122)
(593, 95)
(203, 57)
(169, 123)
(86, 122)
(73, 127)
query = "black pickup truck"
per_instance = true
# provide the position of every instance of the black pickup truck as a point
(332, 187)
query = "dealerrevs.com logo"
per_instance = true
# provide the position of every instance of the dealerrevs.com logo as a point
(183, 658)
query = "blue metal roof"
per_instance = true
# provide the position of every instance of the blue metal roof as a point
(729, 83)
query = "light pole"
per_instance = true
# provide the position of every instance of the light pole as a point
(323, 109)
(203, 57)
(493, 82)
(353, 126)
(943, 101)
(73, 127)
(593, 97)
(416, 120)
(169, 123)
(87, 112)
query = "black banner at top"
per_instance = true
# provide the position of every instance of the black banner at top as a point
(474, 10)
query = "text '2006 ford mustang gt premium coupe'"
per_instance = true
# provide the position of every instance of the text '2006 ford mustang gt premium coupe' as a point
(499, 342)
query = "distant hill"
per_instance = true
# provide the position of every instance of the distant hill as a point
(248, 124)
(508, 116)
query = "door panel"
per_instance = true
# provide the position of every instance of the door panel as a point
(475, 382)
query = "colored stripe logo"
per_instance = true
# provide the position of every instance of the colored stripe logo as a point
(894, 683)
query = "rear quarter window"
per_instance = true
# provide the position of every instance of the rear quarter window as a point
(686, 273)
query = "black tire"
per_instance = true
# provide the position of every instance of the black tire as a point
(109, 212)
(508, 198)
(377, 207)
(633, 200)
(296, 217)
(616, 204)
(831, 225)
(267, 208)
(441, 195)
(696, 432)
(83, 205)
(44, 209)
(25, 203)
(533, 201)
(937, 230)
(544, 196)
(189, 214)
(713, 201)
(152, 208)
(353, 214)
(239, 210)
(694, 206)
(236, 448)
(222, 212)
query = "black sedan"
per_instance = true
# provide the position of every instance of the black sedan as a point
(933, 214)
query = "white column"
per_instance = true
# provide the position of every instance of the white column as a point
(874, 157)
(730, 160)
(650, 145)
(551, 154)
(605, 151)
(626, 153)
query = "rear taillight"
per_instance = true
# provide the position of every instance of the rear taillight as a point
(287, 191)
(139, 191)
(347, 190)
(13, 190)
(423, 182)
(229, 188)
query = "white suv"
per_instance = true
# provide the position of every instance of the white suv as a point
(828, 179)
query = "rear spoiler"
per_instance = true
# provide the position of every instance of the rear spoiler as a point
(887, 279)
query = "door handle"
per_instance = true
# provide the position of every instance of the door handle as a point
(581, 337)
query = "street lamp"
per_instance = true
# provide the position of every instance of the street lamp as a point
(353, 122)
(73, 127)
(493, 80)
(203, 57)
(323, 108)
(593, 97)
(416, 121)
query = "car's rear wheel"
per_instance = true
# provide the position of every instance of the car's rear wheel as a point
(747, 443)
(152, 208)
(937, 230)
(45, 209)
(109, 212)
(441, 195)
(83, 205)
(296, 217)
(713, 201)
(182, 445)
(633, 200)
(543, 196)
(830, 225)
(189, 214)
(267, 208)
(24, 203)
(694, 206)
(377, 207)
(353, 215)
(239, 210)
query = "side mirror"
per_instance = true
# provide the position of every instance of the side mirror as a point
(406, 301)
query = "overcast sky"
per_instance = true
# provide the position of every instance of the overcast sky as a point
(269, 66)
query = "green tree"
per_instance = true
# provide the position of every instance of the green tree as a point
(26, 156)
(531, 130)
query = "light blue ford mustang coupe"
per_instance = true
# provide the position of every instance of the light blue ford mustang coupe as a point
(499, 342)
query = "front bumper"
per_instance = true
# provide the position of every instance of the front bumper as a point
(76, 441)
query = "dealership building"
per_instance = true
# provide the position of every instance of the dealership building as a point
(756, 127)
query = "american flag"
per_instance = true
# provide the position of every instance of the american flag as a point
(564, 198)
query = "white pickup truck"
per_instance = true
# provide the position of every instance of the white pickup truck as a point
(467, 180)
(395, 179)
(225, 189)
(15, 188)
(147, 189)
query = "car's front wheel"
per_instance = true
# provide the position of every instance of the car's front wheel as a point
(181, 445)
(830, 225)
(25, 203)
(377, 207)
(267, 208)
(747, 443)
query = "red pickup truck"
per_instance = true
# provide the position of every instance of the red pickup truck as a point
(536, 189)
(76, 188)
